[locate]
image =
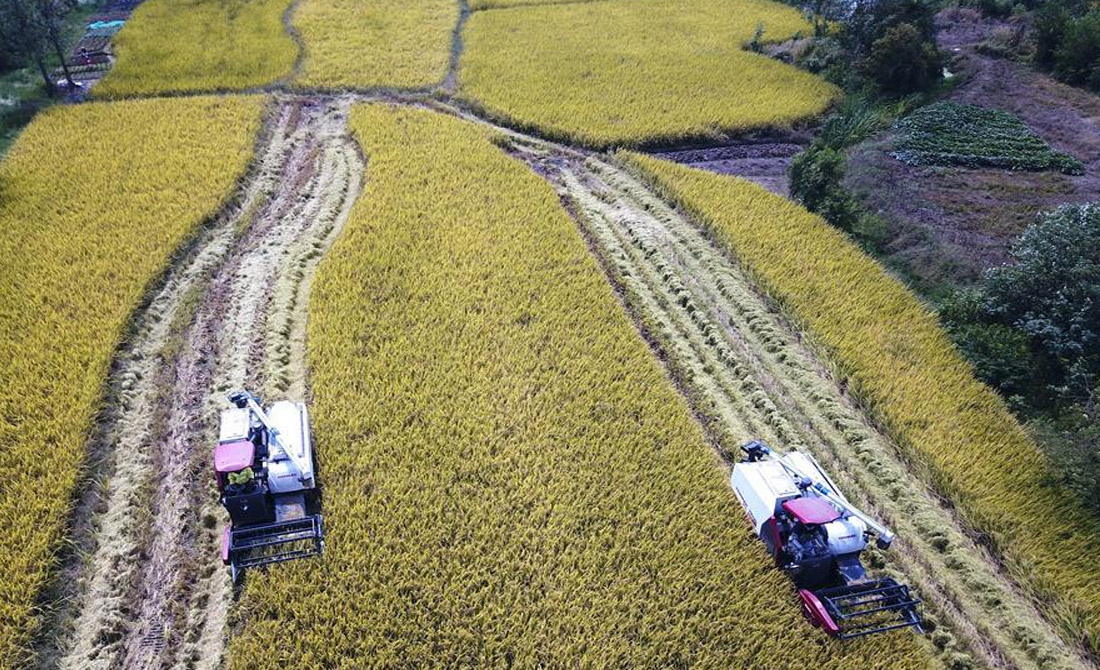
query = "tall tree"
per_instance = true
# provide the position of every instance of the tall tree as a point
(51, 15)
(30, 28)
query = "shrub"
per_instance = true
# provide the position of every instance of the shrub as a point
(1051, 295)
(902, 61)
(817, 176)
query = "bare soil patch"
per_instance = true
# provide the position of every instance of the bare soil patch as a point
(947, 225)
(764, 161)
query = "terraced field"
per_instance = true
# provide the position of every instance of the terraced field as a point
(498, 414)
(174, 46)
(632, 72)
(955, 432)
(530, 365)
(749, 374)
(97, 200)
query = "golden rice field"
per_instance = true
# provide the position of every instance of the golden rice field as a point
(510, 478)
(628, 72)
(171, 46)
(476, 5)
(352, 44)
(94, 201)
(895, 356)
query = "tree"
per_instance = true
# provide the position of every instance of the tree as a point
(28, 28)
(902, 61)
(51, 16)
(817, 176)
(1052, 293)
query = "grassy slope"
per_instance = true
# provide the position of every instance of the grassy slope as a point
(94, 200)
(381, 43)
(173, 46)
(509, 477)
(633, 71)
(897, 357)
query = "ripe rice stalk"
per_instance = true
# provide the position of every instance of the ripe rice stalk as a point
(510, 478)
(352, 44)
(955, 431)
(631, 72)
(183, 46)
(94, 201)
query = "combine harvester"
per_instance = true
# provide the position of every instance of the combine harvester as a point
(264, 469)
(816, 537)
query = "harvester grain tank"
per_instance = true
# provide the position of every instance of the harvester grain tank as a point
(816, 536)
(264, 467)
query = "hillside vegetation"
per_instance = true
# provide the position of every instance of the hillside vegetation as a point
(637, 71)
(171, 46)
(510, 479)
(94, 202)
(894, 355)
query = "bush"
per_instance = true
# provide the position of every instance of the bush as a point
(1067, 41)
(1072, 440)
(817, 176)
(902, 61)
(1052, 296)
(1077, 58)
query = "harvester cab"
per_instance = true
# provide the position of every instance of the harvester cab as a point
(816, 536)
(264, 468)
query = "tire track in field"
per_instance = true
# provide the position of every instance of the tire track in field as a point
(154, 593)
(747, 374)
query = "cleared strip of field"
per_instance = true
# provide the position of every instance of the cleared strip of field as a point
(362, 44)
(510, 479)
(957, 433)
(94, 202)
(748, 376)
(172, 46)
(627, 72)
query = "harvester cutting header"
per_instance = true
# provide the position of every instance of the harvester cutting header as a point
(816, 537)
(265, 472)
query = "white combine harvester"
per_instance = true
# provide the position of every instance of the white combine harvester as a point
(816, 537)
(265, 472)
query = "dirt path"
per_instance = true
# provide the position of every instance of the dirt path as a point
(154, 594)
(748, 375)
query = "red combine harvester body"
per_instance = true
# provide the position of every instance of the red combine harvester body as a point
(264, 468)
(816, 537)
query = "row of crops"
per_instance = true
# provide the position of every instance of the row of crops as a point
(510, 479)
(94, 202)
(601, 73)
(957, 431)
(949, 133)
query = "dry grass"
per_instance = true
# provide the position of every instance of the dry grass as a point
(360, 44)
(957, 431)
(94, 201)
(626, 72)
(171, 46)
(510, 479)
